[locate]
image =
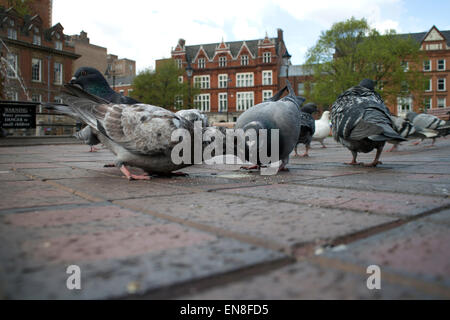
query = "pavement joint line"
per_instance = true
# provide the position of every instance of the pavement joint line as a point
(55, 207)
(391, 277)
(271, 245)
(195, 286)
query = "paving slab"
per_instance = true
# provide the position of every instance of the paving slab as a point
(306, 280)
(116, 259)
(389, 203)
(273, 224)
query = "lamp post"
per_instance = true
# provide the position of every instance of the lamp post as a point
(111, 71)
(286, 61)
(228, 86)
(189, 72)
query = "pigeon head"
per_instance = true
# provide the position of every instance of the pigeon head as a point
(411, 115)
(326, 115)
(90, 79)
(309, 108)
(367, 83)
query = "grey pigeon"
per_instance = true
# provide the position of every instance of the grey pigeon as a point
(362, 122)
(307, 127)
(194, 115)
(430, 124)
(88, 136)
(407, 130)
(283, 115)
(139, 135)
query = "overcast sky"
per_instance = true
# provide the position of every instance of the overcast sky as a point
(147, 30)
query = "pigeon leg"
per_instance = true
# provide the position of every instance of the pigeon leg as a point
(434, 140)
(417, 142)
(353, 163)
(93, 149)
(305, 155)
(250, 167)
(131, 176)
(283, 167)
(376, 161)
(295, 149)
(323, 145)
(394, 148)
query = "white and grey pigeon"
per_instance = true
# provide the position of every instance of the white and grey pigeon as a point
(282, 114)
(307, 127)
(139, 135)
(322, 128)
(408, 131)
(362, 122)
(194, 115)
(429, 123)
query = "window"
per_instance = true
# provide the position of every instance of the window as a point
(267, 78)
(36, 70)
(178, 102)
(202, 102)
(434, 46)
(404, 105)
(405, 65)
(223, 80)
(36, 98)
(267, 57)
(58, 73)
(201, 82)
(12, 65)
(244, 60)
(441, 103)
(12, 34)
(180, 79)
(245, 100)
(222, 62)
(12, 96)
(441, 84)
(441, 65)
(58, 45)
(429, 85)
(267, 94)
(179, 63)
(36, 39)
(223, 102)
(427, 65)
(201, 63)
(427, 102)
(244, 80)
(121, 92)
(301, 89)
(58, 100)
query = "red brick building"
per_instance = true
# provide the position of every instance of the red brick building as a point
(232, 76)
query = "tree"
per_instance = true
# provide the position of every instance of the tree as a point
(22, 6)
(162, 87)
(351, 51)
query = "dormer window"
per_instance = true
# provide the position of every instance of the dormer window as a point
(58, 36)
(36, 39)
(36, 30)
(58, 45)
(244, 60)
(11, 22)
(12, 34)
(201, 63)
(267, 57)
(222, 62)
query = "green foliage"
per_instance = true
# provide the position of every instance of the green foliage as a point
(161, 87)
(22, 6)
(351, 51)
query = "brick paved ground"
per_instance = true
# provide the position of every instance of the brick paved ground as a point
(223, 233)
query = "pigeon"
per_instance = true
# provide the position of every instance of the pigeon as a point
(362, 122)
(307, 127)
(276, 113)
(429, 123)
(139, 135)
(88, 136)
(194, 115)
(93, 82)
(322, 128)
(408, 131)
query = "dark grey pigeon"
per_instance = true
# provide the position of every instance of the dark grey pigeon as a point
(407, 130)
(283, 114)
(430, 124)
(307, 127)
(362, 122)
(88, 137)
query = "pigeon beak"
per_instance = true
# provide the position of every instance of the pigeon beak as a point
(73, 80)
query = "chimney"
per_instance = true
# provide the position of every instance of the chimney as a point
(280, 34)
(182, 42)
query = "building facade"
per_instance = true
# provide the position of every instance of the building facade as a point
(91, 55)
(232, 76)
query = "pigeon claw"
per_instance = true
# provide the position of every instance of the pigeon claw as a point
(93, 149)
(373, 164)
(249, 167)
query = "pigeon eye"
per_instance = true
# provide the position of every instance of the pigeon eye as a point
(83, 73)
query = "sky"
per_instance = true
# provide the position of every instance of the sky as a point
(144, 30)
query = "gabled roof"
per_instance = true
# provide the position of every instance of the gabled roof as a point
(420, 36)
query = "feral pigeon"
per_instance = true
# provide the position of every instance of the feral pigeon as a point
(408, 131)
(139, 135)
(322, 128)
(194, 115)
(429, 123)
(362, 122)
(283, 115)
(307, 127)
(88, 137)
